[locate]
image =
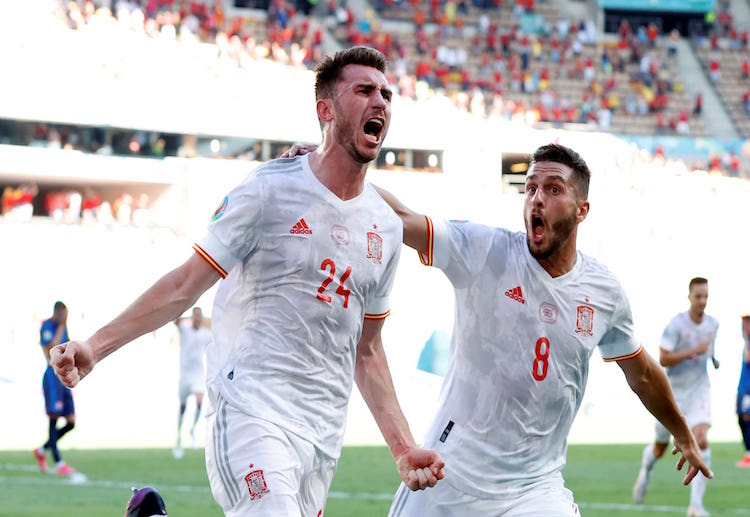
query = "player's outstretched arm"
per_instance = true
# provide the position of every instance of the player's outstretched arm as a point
(650, 383)
(161, 303)
(419, 468)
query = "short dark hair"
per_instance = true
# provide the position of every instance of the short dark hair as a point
(328, 70)
(59, 305)
(560, 154)
(698, 280)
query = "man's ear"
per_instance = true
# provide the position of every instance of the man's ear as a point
(582, 210)
(324, 108)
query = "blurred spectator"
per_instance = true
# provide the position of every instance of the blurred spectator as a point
(714, 68)
(141, 215)
(18, 203)
(734, 164)
(683, 127)
(56, 203)
(123, 208)
(90, 205)
(672, 42)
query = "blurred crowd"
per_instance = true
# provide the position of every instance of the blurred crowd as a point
(481, 55)
(20, 203)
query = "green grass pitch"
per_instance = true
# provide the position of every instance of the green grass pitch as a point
(601, 477)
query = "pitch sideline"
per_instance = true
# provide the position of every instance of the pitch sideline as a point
(51, 478)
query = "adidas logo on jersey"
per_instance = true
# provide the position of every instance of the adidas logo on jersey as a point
(301, 228)
(516, 294)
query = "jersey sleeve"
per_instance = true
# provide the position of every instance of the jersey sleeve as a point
(459, 248)
(233, 231)
(379, 305)
(619, 341)
(670, 336)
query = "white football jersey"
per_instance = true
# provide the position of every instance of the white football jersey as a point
(682, 333)
(303, 269)
(519, 356)
(193, 344)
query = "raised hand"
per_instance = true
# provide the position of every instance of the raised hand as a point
(72, 361)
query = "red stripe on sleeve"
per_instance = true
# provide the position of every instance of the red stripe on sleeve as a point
(623, 357)
(426, 258)
(378, 316)
(200, 251)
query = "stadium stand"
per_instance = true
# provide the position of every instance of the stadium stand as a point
(725, 56)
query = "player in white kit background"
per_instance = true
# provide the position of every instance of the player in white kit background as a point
(195, 336)
(308, 251)
(530, 311)
(686, 346)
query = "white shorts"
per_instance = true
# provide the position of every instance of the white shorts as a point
(696, 407)
(548, 497)
(256, 468)
(188, 385)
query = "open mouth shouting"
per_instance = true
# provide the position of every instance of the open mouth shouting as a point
(537, 229)
(373, 129)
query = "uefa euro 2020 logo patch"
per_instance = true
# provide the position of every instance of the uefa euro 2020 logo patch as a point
(221, 209)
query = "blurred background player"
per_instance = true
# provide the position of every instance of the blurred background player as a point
(687, 344)
(743, 392)
(57, 398)
(195, 335)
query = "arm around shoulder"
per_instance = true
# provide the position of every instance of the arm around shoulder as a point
(416, 226)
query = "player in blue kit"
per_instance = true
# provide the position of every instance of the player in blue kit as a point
(57, 398)
(743, 393)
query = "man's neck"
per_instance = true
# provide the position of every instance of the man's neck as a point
(338, 172)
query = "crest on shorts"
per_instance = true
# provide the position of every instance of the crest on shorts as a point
(256, 483)
(585, 320)
(340, 235)
(374, 247)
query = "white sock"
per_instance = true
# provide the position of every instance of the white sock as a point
(648, 460)
(699, 483)
(179, 429)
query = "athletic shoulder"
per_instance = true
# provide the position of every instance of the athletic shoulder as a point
(596, 272)
(375, 200)
(279, 166)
